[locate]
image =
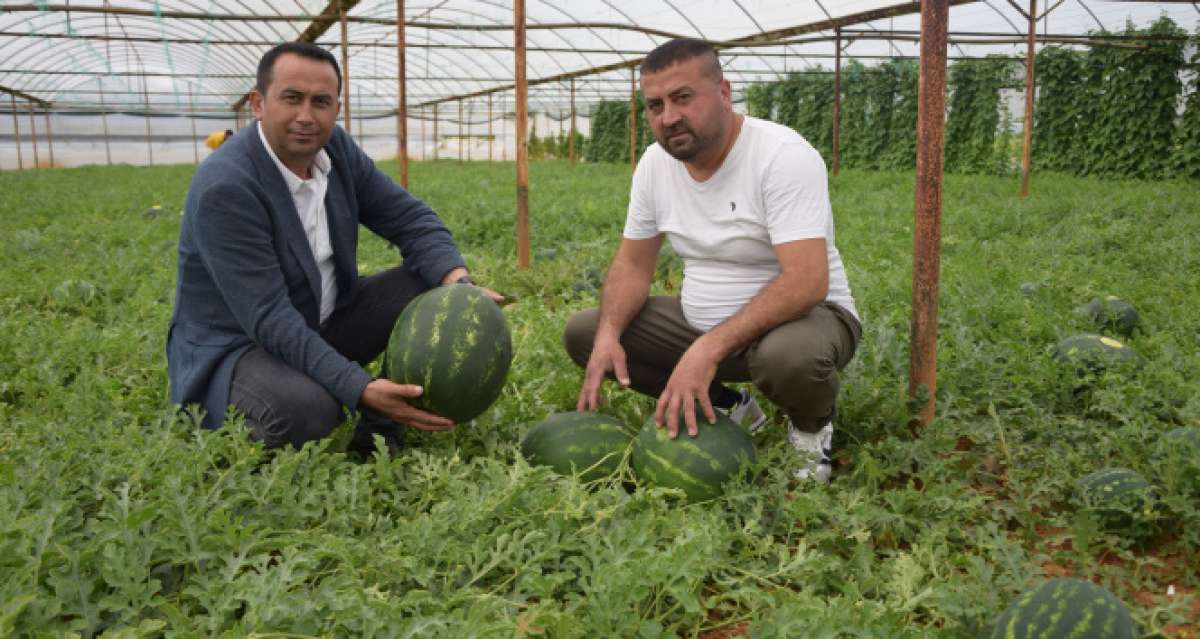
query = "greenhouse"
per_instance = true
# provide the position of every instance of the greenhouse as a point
(1005, 419)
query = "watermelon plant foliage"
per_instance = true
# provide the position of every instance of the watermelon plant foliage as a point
(120, 517)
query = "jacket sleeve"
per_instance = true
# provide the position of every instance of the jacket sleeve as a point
(394, 214)
(236, 245)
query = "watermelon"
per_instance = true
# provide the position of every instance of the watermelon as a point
(1063, 608)
(1030, 288)
(1111, 313)
(1090, 353)
(1184, 437)
(698, 466)
(1118, 497)
(453, 341)
(590, 444)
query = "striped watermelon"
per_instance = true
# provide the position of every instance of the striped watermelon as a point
(1065, 607)
(453, 341)
(1111, 313)
(590, 444)
(698, 466)
(1118, 497)
(1090, 353)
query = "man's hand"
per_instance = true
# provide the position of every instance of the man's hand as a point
(390, 400)
(458, 273)
(607, 356)
(688, 384)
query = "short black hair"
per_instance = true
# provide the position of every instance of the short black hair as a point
(303, 49)
(680, 50)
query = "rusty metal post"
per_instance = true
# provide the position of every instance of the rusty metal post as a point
(149, 135)
(931, 120)
(345, 72)
(37, 160)
(402, 107)
(192, 117)
(1029, 90)
(633, 119)
(104, 123)
(49, 135)
(571, 139)
(837, 101)
(17, 133)
(503, 133)
(522, 142)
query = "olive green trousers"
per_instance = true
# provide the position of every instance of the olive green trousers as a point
(794, 365)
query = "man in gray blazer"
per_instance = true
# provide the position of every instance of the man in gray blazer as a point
(271, 315)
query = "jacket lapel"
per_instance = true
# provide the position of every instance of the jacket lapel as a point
(288, 219)
(343, 227)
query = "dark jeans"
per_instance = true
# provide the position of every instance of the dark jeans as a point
(282, 405)
(795, 364)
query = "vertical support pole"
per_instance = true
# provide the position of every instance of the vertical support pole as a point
(571, 139)
(1029, 90)
(17, 132)
(49, 135)
(37, 160)
(931, 120)
(436, 141)
(149, 140)
(461, 138)
(503, 133)
(345, 72)
(424, 138)
(522, 89)
(358, 96)
(633, 119)
(491, 137)
(402, 108)
(104, 123)
(192, 117)
(837, 102)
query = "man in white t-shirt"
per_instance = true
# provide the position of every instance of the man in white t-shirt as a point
(745, 203)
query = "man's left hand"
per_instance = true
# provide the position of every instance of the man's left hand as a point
(688, 385)
(454, 275)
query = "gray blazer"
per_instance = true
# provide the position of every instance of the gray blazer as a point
(247, 275)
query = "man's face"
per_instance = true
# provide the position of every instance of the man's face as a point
(300, 108)
(688, 110)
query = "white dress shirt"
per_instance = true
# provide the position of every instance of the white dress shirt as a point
(309, 197)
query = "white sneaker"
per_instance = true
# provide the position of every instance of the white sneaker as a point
(746, 409)
(816, 450)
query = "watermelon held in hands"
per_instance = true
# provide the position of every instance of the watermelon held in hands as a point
(454, 342)
(698, 466)
(1119, 498)
(1111, 313)
(589, 444)
(1066, 607)
(1090, 353)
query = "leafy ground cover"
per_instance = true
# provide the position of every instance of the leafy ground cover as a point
(119, 516)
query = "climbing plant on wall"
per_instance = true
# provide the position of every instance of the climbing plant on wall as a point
(610, 132)
(1185, 160)
(1061, 95)
(975, 113)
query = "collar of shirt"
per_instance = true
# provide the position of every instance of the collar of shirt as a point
(294, 182)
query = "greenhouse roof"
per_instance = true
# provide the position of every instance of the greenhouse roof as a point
(191, 55)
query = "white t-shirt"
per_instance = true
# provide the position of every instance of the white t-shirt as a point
(771, 189)
(309, 197)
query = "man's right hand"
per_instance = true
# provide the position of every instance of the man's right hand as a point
(607, 356)
(389, 399)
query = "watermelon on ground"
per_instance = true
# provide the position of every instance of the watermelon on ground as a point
(1091, 353)
(1119, 498)
(1063, 608)
(1111, 313)
(699, 466)
(454, 342)
(586, 443)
